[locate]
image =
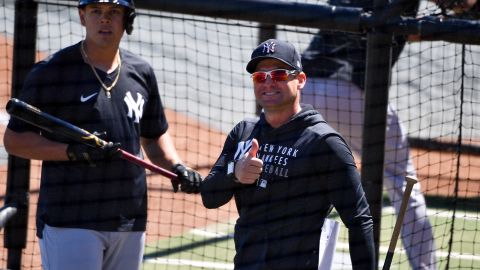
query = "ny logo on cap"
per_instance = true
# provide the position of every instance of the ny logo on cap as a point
(269, 48)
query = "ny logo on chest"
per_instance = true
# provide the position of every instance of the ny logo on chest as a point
(135, 107)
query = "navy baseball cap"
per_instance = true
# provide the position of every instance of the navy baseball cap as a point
(276, 49)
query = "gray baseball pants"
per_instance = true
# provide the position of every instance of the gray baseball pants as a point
(80, 249)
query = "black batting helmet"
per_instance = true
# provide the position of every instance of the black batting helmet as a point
(128, 4)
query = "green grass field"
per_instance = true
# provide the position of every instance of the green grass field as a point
(213, 247)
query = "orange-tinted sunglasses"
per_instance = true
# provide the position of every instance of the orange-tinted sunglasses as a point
(277, 75)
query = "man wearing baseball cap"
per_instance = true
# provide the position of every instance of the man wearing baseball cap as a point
(286, 171)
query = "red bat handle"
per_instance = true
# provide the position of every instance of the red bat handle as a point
(152, 167)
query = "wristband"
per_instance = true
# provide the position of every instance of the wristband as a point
(231, 171)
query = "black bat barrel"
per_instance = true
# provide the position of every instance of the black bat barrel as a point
(34, 116)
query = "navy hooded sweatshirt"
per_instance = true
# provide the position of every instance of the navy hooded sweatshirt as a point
(307, 169)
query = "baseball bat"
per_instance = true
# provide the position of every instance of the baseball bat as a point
(398, 224)
(34, 116)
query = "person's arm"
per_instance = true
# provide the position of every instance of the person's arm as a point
(162, 152)
(459, 7)
(347, 195)
(218, 188)
(30, 145)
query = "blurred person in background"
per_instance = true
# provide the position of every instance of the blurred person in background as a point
(92, 208)
(335, 63)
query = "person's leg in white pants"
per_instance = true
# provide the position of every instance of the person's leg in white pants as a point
(341, 104)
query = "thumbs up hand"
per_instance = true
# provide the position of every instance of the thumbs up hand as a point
(249, 167)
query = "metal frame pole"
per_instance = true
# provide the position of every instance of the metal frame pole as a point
(18, 175)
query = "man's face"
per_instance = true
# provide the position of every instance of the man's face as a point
(104, 23)
(274, 95)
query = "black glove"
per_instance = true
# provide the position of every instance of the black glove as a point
(91, 155)
(188, 179)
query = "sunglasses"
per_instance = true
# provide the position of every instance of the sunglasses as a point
(278, 75)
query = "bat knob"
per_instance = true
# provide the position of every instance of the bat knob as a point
(411, 179)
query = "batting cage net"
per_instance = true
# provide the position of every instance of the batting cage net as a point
(200, 64)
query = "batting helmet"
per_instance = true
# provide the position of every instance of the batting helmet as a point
(128, 4)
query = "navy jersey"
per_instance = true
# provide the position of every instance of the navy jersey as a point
(343, 55)
(110, 196)
(307, 169)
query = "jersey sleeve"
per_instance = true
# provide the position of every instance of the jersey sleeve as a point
(30, 95)
(217, 189)
(347, 196)
(154, 122)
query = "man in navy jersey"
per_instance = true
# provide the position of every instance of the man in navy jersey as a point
(92, 208)
(286, 171)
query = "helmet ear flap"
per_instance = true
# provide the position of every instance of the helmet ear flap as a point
(129, 18)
